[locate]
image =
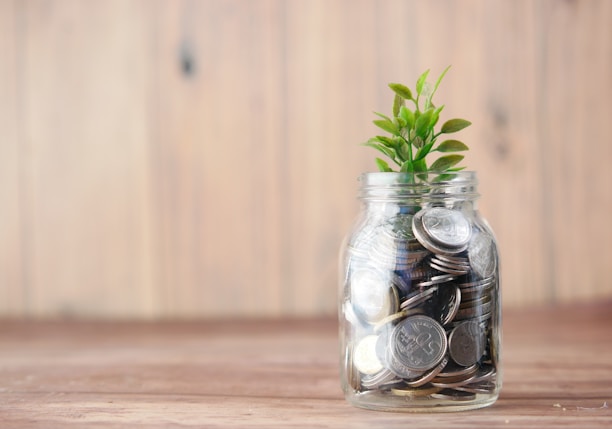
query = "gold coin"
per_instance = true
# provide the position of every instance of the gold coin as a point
(416, 392)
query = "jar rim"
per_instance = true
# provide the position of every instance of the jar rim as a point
(391, 186)
(383, 178)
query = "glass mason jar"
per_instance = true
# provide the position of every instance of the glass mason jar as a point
(419, 306)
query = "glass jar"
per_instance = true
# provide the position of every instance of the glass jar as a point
(419, 306)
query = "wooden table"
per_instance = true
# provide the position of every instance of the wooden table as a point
(557, 364)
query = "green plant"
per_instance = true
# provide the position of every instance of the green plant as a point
(413, 136)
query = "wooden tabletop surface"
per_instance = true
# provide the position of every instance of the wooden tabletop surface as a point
(557, 372)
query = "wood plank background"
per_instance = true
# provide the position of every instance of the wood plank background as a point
(199, 158)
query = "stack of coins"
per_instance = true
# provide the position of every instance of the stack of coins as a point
(422, 295)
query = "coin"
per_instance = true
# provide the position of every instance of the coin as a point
(466, 343)
(475, 302)
(401, 225)
(481, 251)
(473, 312)
(436, 280)
(484, 387)
(447, 269)
(364, 356)
(449, 308)
(396, 317)
(382, 378)
(453, 370)
(415, 392)
(455, 260)
(456, 266)
(454, 395)
(397, 367)
(372, 295)
(418, 298)
(418, 342)
(428, 376)
(485, 374)
(452, 382)
(442, 229)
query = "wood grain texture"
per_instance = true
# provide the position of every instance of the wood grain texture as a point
(12, 283)
(86, 126)
(199, 158)
(557, 373)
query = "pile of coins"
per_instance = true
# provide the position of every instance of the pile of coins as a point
(421, 302)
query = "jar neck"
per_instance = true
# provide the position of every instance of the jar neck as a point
(408, 192)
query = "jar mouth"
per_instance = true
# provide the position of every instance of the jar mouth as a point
(393, 186)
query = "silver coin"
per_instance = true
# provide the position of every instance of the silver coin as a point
(450, 307)
(451, 384)
(456, 380)
(418, 298)
(382, 378)
(455, 260)
(450, 262)
(485, 374)
(453, 370)
(373, 296)
(431, 245)
(365, 358)
(448, 270)
(397, 367)
(479, 284)
(428, 376)
(463, 268)
(454, 395)
(419, 343)
(436, 280)
(478, 301)
(401, 225)
(485, 387)
(449, 228)
(469, 295)
(466, 343)
(381, 325)
(473, 312)
(481, 251)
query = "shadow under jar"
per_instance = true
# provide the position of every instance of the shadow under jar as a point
(419, 306)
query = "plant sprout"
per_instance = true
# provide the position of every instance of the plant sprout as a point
(413, 135)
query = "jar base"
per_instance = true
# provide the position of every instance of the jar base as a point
(381, 401)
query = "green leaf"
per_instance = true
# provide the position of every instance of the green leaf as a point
(451, 146)
(420, 166)
(422, 123)
(445, 162)
(383, 116)
(403, 150)
(401, 122)
(418, 142)
(407, 115)
(387, 125)
(454, 125)
(401, 90)
(421, 82)
(382, 165)
(387, 141)
(423, 151)
(381, 148)
(407, 167)
(434, 118)
(435, 88)
(398, 102)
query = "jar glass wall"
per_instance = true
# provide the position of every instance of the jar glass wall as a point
(419, 306)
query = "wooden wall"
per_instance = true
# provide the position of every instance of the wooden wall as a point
(199, 158)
